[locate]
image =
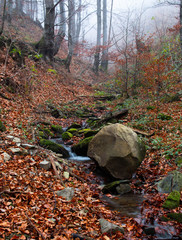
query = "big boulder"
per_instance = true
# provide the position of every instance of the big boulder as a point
(118, 150)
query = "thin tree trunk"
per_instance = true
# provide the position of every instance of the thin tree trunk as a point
(97, 54)
(71, 28)
(78, 25)
(181, 25)
(3, 17)
(104, 62)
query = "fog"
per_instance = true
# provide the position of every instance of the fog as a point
(144, 14)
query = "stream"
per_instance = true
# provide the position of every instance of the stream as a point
(128, 205)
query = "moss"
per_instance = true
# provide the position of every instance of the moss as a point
(46, 133)
(91, 133)
(57, 128)
(67, 136)
(175, 216)
(82, 147)
(54, 147)
(2, 127)
(111, 187)
(84, 130)
(75, 125)
(172, 200)
(72, 130)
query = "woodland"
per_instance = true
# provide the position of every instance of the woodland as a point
(57, 87)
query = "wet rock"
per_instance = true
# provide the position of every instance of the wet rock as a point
(123, 188)
(149, 230)
(66, 193)
(109, 227)
(82, 147)
(118, 150)
(45, 165)
(171, 182)
(111, 187)
(172, 200)
(54, 147)
(5, 156)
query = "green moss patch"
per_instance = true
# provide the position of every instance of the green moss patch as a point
(172, 200)
(72, 130)
(46, 133)
(67, 136)
(90, 133)
(82, 147)
(74, 125)
(54, 147)
(175, 216)
(57, 128)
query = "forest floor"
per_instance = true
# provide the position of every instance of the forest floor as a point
(29, 207)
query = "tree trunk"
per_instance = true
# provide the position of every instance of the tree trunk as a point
(104, 62)
(78, 25)
(62, 28)
(48, 37)
(181, 25)
(97, 54)
(3, 17)
(9, 10)
(71, 28)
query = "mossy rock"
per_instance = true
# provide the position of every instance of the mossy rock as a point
(163, 116)
(46, 133)
(74, 125)
(91, 133)
(72, 130)
(57, 129)
(178, 161)
(84, 130)
(2, 127)
(54, 147)
(111, 187)
(175, 216)
(82, 147)
(67, 136)
(171, 182)
(172, 200)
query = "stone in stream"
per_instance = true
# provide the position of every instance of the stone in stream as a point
(118, 150)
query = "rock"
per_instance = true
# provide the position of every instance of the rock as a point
(67, 136)
(57, 129)
(66, 175)
(66, 193)
(17, 141)
(72, 130)
(149, 230)
(90, 133)
(118, 150)
(5, 156)
(56, 113)
(54, 147)
(111, 187)
(171, 182)
(75, 125)
(123, 188)
(15, 150)
(175, 216)
(46, 133)
(109, 227)
(26, 145)
(172, 200)
(2, 127)
(45, 165)
(82, 147)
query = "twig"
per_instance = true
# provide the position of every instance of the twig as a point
(55, 170)
(31, 223)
